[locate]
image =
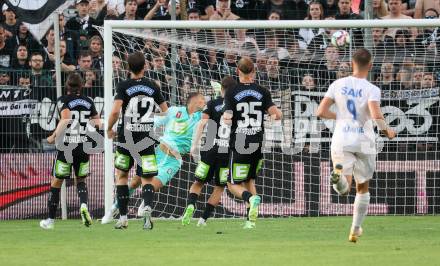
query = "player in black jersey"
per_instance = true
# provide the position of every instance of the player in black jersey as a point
(138, 98)
(245, 106)
(214, 159)
(77, 117)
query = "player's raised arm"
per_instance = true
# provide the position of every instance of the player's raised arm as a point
(377, 116)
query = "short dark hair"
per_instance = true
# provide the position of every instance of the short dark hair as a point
(128, 1)
(245, 65)
(362, 57)
(193, 10)
(228, 83)
(84, 53)
(74, 83)
(136, 62)
(36, 54)
(192, 95)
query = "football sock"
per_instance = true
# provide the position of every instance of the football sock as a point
(192, 199)
(360, 209)
(52, 202)
(130, 192)
(81, 187)
(207, 212)
(148, 194)
(123, 197)
(247, 213)
(246, 195)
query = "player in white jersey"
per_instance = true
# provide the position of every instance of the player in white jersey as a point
(353, 150)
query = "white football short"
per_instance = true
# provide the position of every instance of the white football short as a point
(359, 165)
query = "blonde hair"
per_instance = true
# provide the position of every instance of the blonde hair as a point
(382, 10)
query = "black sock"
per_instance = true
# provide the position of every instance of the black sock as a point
(247, 213)
(208, 210)
(246, 195)
(81, 187)
(123, 197)
(52, 201)
(192, 198)
(148, 194)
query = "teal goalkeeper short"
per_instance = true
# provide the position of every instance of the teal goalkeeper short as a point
(168, 166)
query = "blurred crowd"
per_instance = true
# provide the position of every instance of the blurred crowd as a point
(405, 58)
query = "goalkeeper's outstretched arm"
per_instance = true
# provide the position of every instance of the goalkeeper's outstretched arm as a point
(377, 116)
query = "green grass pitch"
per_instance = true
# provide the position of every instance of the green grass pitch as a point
(294, 241)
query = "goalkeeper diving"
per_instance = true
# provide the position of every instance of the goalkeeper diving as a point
(179, 124)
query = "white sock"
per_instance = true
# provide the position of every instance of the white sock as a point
(360, 209)
(342, 186)
(124, 217)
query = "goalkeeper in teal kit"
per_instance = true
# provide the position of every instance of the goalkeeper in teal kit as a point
(179, 123)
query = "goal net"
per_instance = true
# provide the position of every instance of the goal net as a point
(297, 62)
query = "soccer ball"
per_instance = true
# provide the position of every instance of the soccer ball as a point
(341, 39)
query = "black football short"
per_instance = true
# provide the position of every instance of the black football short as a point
(64, 161)
(210, 166)
(243, 167)
(146, 164)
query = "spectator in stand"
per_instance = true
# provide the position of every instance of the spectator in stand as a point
(11, 23)
(49, 44)
(386, 79)
(5, 77)
(84, 61)
(160, 74)
(344, 70)
(24, 80)
(423, 5)
(382, 44)
(195, 69)
(144, 6)
(276, 81)
(93, 9)
(82, 22)
(21, 59)
(67, 64)
(162, 10)
(131, 8)
(404, 46)
(40, 77)
(291, 9)
(417, 77)
(272, 47)
(404, 78)
(315, 12)
(118, 71)
(426, 41)
(190, 36)
(90, 78)
(96, 51)
(23, 36)
(6, 49)
(260, 67)
(380, 9)
(228, 65)
(223, 11)
(428, 81)
(331, 8)
(327, 67)
(248, 10)
(345, 12)
(308, 83)
(395, 7)
(321, 41)
(71, 38)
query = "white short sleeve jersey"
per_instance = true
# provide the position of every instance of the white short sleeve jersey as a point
(354, 127)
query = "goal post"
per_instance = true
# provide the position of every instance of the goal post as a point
(301, 168)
